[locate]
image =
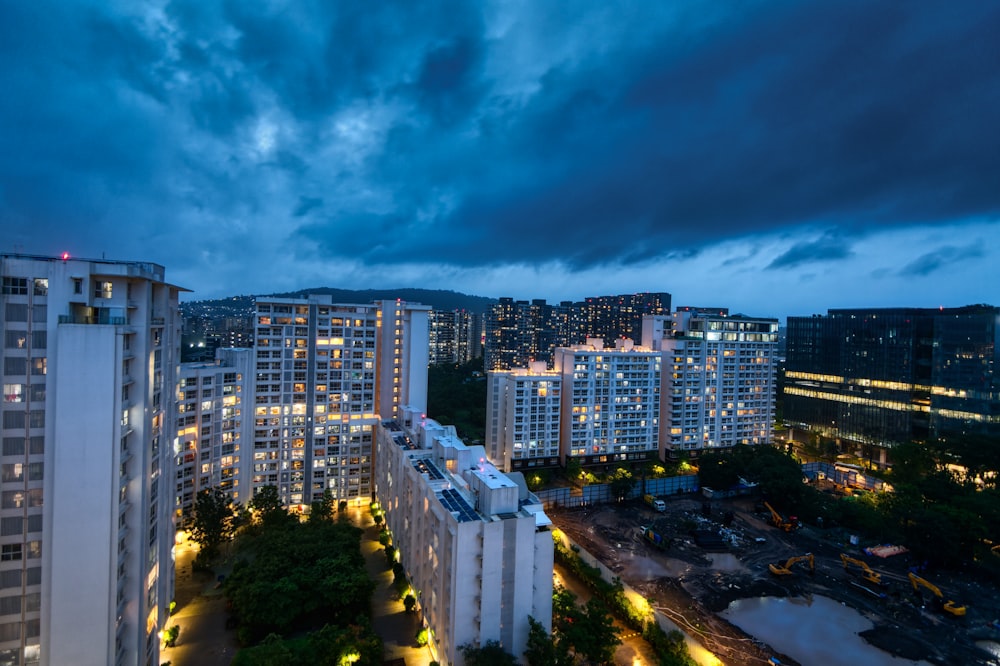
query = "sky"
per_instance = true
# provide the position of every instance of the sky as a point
(776, 158)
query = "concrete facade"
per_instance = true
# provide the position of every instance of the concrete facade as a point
(214, 433)
(718, 381)
(324, 373)
(523, 417)
(89, 361)
(610, 402)
(475, 543)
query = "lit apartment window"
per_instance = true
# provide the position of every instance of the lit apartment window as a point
(102, 289)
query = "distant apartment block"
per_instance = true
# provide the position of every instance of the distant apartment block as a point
(615, 317)
(476, 544)
(453, 336)
(326, 373)
(214, 428)
(610, 402)
(718, 378)
(89, 358)
(878, 377)
(524, 407)
(519, 332)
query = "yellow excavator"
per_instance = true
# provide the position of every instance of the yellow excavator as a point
(786, 569)
(779, 521)
(866, 571)
(949, 607)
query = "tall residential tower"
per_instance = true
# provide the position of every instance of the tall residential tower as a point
(86, 520)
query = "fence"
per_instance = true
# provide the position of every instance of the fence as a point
(601, 493)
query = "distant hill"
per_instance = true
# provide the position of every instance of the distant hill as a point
(439, 299)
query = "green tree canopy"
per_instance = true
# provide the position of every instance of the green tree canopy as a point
(490, 654)
(212, 522)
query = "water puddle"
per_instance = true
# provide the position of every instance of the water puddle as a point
(640, 567)
(813, 630)
(992, 648)
(726, 562)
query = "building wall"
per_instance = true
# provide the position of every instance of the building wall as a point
(718, 380)
(610, 402)
(523, 418)
(214, 434)
(884, 376)
(91, 347)
(478, 574)
(325, 371)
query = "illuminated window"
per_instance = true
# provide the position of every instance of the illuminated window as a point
(102, 289)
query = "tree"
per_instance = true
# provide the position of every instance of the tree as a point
(266, 504)
(322, 509)
(409, 603)
(621, 483)
(596, 636)
(544, 649)
(573, 468)
(212, 522)
(491, 654)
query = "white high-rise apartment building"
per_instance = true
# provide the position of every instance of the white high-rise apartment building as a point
(476, 544)
(89, 356)
(610, 401)
(214, 445)
(324, 373)
(403, 375)
(523, 417)
(719, 379)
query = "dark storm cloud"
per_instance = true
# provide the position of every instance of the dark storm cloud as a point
(491, 134)
(940, 258)
(305, 205)
(826, 248)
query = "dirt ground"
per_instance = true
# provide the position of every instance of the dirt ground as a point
(692, 585)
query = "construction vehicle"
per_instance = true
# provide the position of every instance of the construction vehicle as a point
(779, 521)
(949, 607)
(655, 538)
(786, 569)
(657, 504)
(866, 571)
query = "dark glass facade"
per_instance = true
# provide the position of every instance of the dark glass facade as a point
(886, 376)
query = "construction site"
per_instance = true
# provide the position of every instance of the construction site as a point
(752, 586)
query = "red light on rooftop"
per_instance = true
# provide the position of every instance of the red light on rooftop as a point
(65, 256)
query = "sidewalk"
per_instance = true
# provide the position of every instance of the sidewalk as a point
(396, 627)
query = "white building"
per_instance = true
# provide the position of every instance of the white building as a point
(402, 357)
(86, 523)
(214, 433)
(324, 372)
(475, 543)
(610, 401)
(523, 414)
(719, 379)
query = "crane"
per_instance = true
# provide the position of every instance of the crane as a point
(778, 520)
(786, 569)
(866, 571)
(949, 607)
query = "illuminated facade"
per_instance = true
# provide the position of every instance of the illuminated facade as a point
(324, 374)
(881, 377)
(615, 317)
(453, 336)
(214, 444)
(519, 332)
(718, 378)
(475, 542)
(86, 506)
(523, 414)
(610, 409)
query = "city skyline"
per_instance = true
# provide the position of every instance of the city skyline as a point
(781, 159)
